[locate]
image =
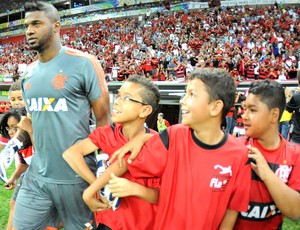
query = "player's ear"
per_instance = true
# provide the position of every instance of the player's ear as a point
(146, 110)
(216, 108)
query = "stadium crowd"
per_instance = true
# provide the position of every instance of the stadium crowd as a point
(250, 42)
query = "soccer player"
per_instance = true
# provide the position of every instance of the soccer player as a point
(205, 178)
(137, 99)
(275, 182)
(59, 89)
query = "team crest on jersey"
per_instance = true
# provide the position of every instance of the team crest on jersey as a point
(283, 172)
(58, 81)
(221, 178)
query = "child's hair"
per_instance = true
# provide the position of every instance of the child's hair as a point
(219, 84)
(150, 93)
(271, 93)
(49, 10)
(16, 113)
(161, 115)
(14, 87)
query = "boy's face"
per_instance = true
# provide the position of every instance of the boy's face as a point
(16, 99)
(257, 117)
(195, 104)
(127, 103)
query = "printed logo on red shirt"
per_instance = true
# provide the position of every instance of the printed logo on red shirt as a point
(220, 180)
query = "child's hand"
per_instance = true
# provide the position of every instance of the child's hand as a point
(134, 146)
(25, 124)
(10, 184)
(93, 203)
(259, 164)
(121, 187)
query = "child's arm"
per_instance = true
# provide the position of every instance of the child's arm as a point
(285, 198)
(26, 125)
(74, 157)
(10, 184)
(89, 194)
(228, 220)
(121, 187)
(134, 146)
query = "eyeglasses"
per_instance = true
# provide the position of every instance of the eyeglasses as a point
(126, 98)
(11, 129)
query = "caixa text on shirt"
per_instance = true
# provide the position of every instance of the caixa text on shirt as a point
(47, 104)
(260, 211)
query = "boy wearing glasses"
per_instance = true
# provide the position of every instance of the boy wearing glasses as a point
(205, 178)
(136, 100)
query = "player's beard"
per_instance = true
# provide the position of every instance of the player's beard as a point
(41, 44)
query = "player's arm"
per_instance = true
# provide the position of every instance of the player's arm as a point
(101, 108)
(74, 157)
(228, 220)
(89, 194)
(285, 198)
(121, 187)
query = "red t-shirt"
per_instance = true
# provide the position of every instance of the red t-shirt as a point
(133, 213)
(198, 182)
(263, 213)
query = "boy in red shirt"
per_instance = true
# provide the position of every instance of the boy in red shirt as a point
(137, 99)
(275, 182)
(204, 172)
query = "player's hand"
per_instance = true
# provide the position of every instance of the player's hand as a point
(121, 187)
(259, 163)
(10, 184)
(93, 203)
(134, 146)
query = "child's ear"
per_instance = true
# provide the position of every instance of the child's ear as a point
(145, 111)
(216, 108)
(275, 115)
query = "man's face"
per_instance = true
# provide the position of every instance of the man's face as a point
(39, 30)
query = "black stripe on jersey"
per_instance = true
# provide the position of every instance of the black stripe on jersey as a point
(273, 167)
(165, 138)
(258, 211)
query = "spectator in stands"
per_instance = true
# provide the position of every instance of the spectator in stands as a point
(162, 123)
(293, 106)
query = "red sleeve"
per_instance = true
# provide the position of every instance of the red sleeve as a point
(294, 179)
(241, 193)
(151, 160)
(167, 123)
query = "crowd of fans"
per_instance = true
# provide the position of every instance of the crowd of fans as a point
(250, 42)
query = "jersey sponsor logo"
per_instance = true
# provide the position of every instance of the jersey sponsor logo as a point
(221, 178)
(43, 104)
(260, 211)
(58, 81)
